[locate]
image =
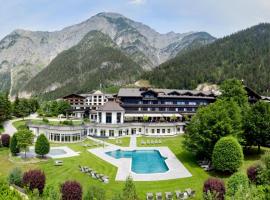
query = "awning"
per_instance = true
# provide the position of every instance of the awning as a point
(152, 115)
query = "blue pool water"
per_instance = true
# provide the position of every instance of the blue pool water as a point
(143, 161)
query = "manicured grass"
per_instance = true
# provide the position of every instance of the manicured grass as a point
(70, 170)
(125, 141)
(19, 124)
(54, 123)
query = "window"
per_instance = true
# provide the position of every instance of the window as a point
(158, 131)
(111, 133)
(140, 130)
(192, 103)
(146, 130)
(102, 133)
(99, 117)
(108, 118)
(153, 131)
(163, 131)
(118, 117)
(120, 133)
(169, 130)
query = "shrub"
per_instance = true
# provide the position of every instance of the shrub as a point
(95, 193)
(5, 138)
(253, 173)
(45, 120)
(227, 155)
(7, 194)
(236, 181)
(68, 122)
(266, 160)
(14, 149)
(51, 192)
(42, 146)
(214, 186)
(129, 190)
(34, 179)
(15, 177)
(71, 190)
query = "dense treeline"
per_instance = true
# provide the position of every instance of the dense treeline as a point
(244, 55)
(230, 115)
(53, 108)
(24, 107)
(5, 108)
(19, 108)
(95, 61)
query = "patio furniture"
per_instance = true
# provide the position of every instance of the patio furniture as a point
(168, 195)
(190, 192)
(158, 196)
(58, 163)
(180, 195)
(149, 196)
(105, 180)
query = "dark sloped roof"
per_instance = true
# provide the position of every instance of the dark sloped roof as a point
(73, 95)
(136, 92)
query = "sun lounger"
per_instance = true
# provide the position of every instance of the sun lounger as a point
(58, 163)
(181, 195)
(149, 196)
(190, 192)
(168, 195)
(104, 180)
(158, 196)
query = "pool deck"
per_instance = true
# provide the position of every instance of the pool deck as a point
(176, 168)
(68, 152)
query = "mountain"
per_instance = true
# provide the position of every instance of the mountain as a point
(23, 53)
(95, 60)
(243, 55)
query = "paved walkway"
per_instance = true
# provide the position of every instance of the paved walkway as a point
(133, 141)
(10, 129)
(103, 142)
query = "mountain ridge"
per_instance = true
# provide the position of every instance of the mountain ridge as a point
(79, 69)
(23, 53)
(242, 55)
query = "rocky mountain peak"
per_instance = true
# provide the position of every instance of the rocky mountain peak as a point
(25, 53)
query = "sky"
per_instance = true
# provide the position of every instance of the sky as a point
(217, 17)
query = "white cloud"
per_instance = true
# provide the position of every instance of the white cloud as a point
(137, 2)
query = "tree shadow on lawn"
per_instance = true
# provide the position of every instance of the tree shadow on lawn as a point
(190, 161)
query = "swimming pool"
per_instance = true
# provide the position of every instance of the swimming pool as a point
(143, 161)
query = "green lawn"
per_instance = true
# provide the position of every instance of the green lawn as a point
(54, 123)
(70, 171)
(125, 141)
